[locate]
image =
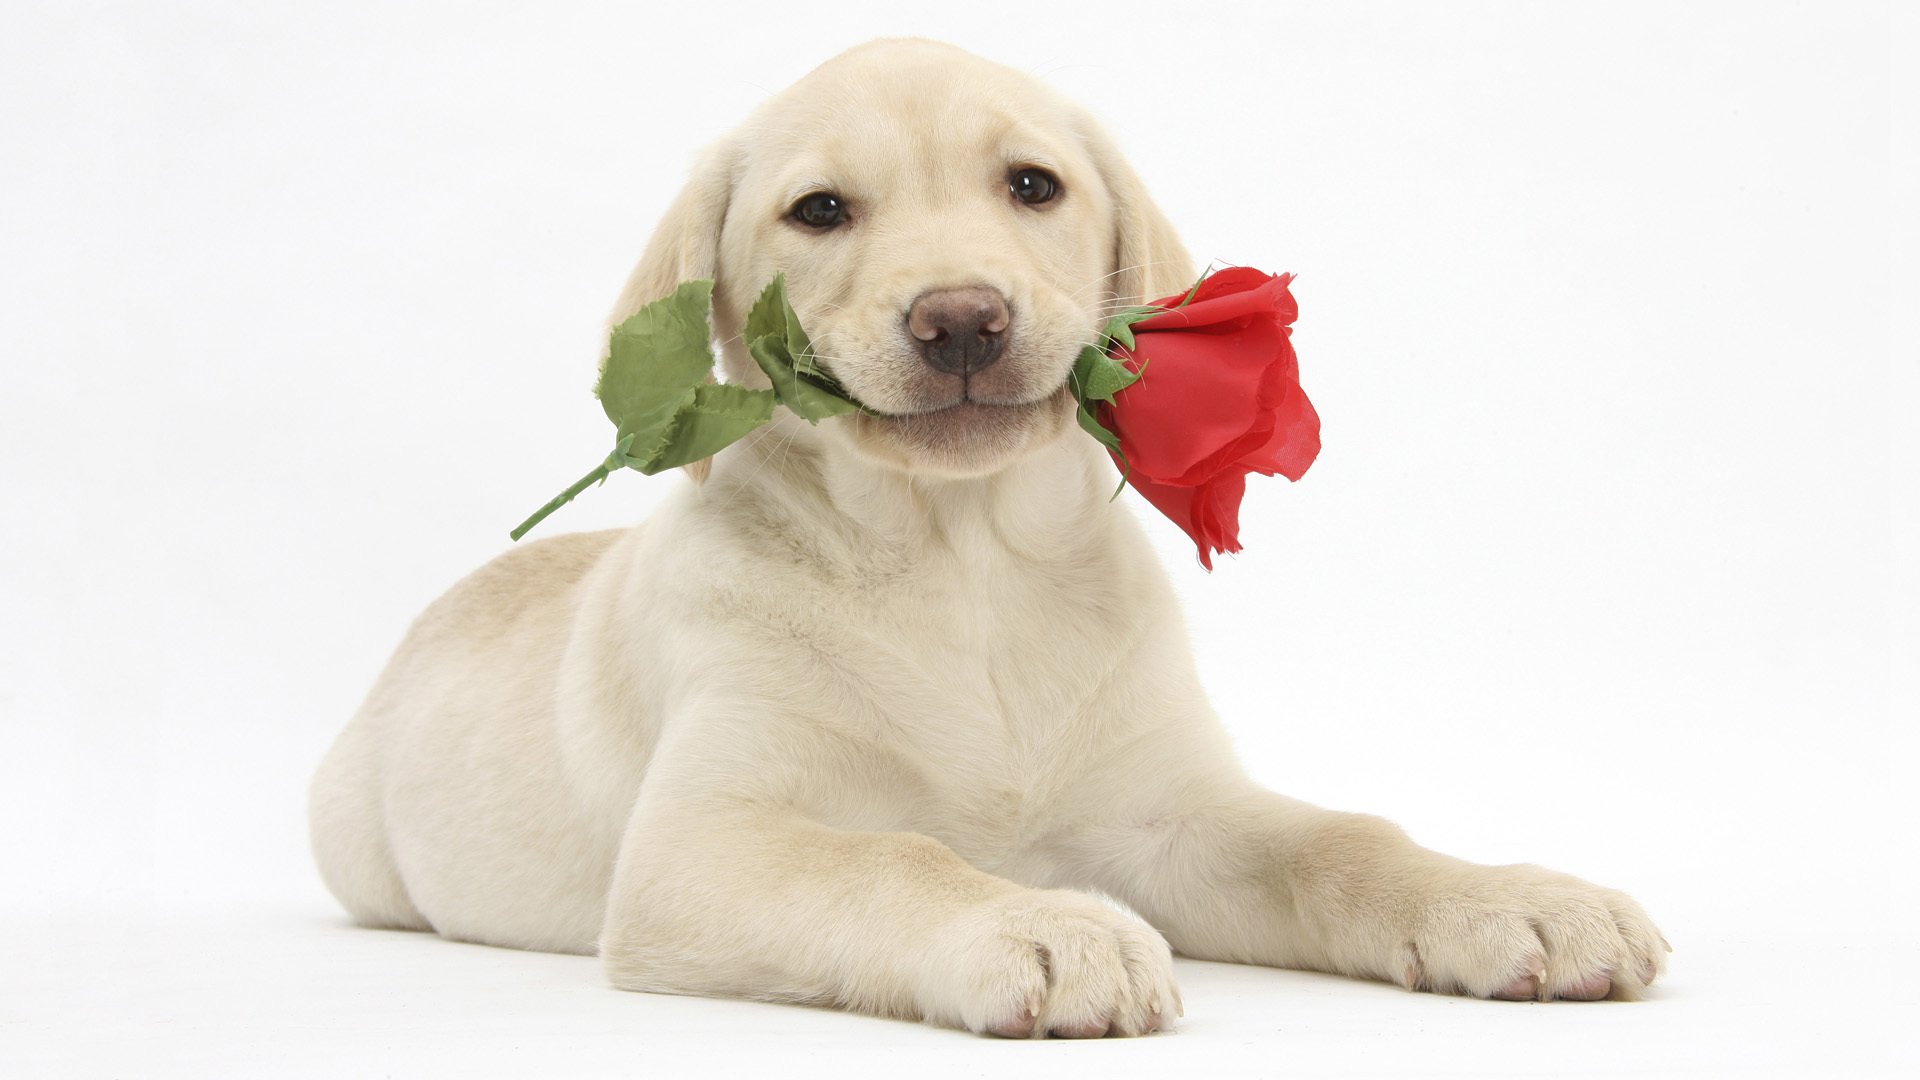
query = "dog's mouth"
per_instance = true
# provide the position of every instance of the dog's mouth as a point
(964, 423)
(967, 428)
(969, 400)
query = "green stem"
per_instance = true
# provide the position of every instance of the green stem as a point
(600, 472)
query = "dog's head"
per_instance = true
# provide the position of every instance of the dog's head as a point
(952, 234)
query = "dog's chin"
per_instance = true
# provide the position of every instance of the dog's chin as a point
(963, 440)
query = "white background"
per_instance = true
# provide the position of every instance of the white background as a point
(1608, 562)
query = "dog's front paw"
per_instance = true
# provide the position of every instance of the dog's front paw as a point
(1522, 933)
(1059, 963)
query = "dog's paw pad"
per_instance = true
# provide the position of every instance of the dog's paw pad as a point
(1591, 988)
(1524, 989)
(1086, 1029)
(1019, 1027)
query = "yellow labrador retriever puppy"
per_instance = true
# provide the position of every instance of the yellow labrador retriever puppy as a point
(875, 713)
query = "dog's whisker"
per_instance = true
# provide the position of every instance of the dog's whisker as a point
(1103, 279)
(1108, 276)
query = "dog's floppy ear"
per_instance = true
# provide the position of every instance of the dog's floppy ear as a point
(1149, 259)
(685, 246)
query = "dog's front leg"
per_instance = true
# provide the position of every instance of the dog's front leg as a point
(766, 904)
(1231, 872)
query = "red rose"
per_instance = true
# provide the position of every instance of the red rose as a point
(1218, 397)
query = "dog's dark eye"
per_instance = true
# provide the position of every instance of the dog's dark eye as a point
(1033, 186)
(820, 210)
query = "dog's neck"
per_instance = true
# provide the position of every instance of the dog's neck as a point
(1051, 505)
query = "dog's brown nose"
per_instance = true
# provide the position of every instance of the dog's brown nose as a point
(960, 330)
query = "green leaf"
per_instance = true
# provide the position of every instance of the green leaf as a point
(1093, 427)
(718, 416)
(649, 433)
(782, 349)
(1119, 329)
(1098, 376)
(770, 314)
(655, 385)
(661, 350)
(810, 398)
(657, 359)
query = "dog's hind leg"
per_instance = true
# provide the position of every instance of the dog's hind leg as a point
(349, 836)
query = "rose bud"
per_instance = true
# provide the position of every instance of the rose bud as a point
(1218, 397)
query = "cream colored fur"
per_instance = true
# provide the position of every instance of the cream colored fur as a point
(874, 715)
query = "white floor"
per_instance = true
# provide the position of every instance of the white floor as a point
(293, 992)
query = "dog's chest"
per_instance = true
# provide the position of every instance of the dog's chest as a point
(989, 688)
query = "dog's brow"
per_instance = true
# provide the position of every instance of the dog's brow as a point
(1030, 157)
(806, 187)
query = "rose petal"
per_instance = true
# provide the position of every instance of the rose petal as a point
(1234, 292)
(1218, 510)
(1209, 514)
(1278, 385)
(1198, 398)
(1295, 441)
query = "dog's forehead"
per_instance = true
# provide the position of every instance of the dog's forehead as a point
(867, 154)
(912, 75)
(907, 110)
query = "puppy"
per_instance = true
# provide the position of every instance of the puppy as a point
(874, 714)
